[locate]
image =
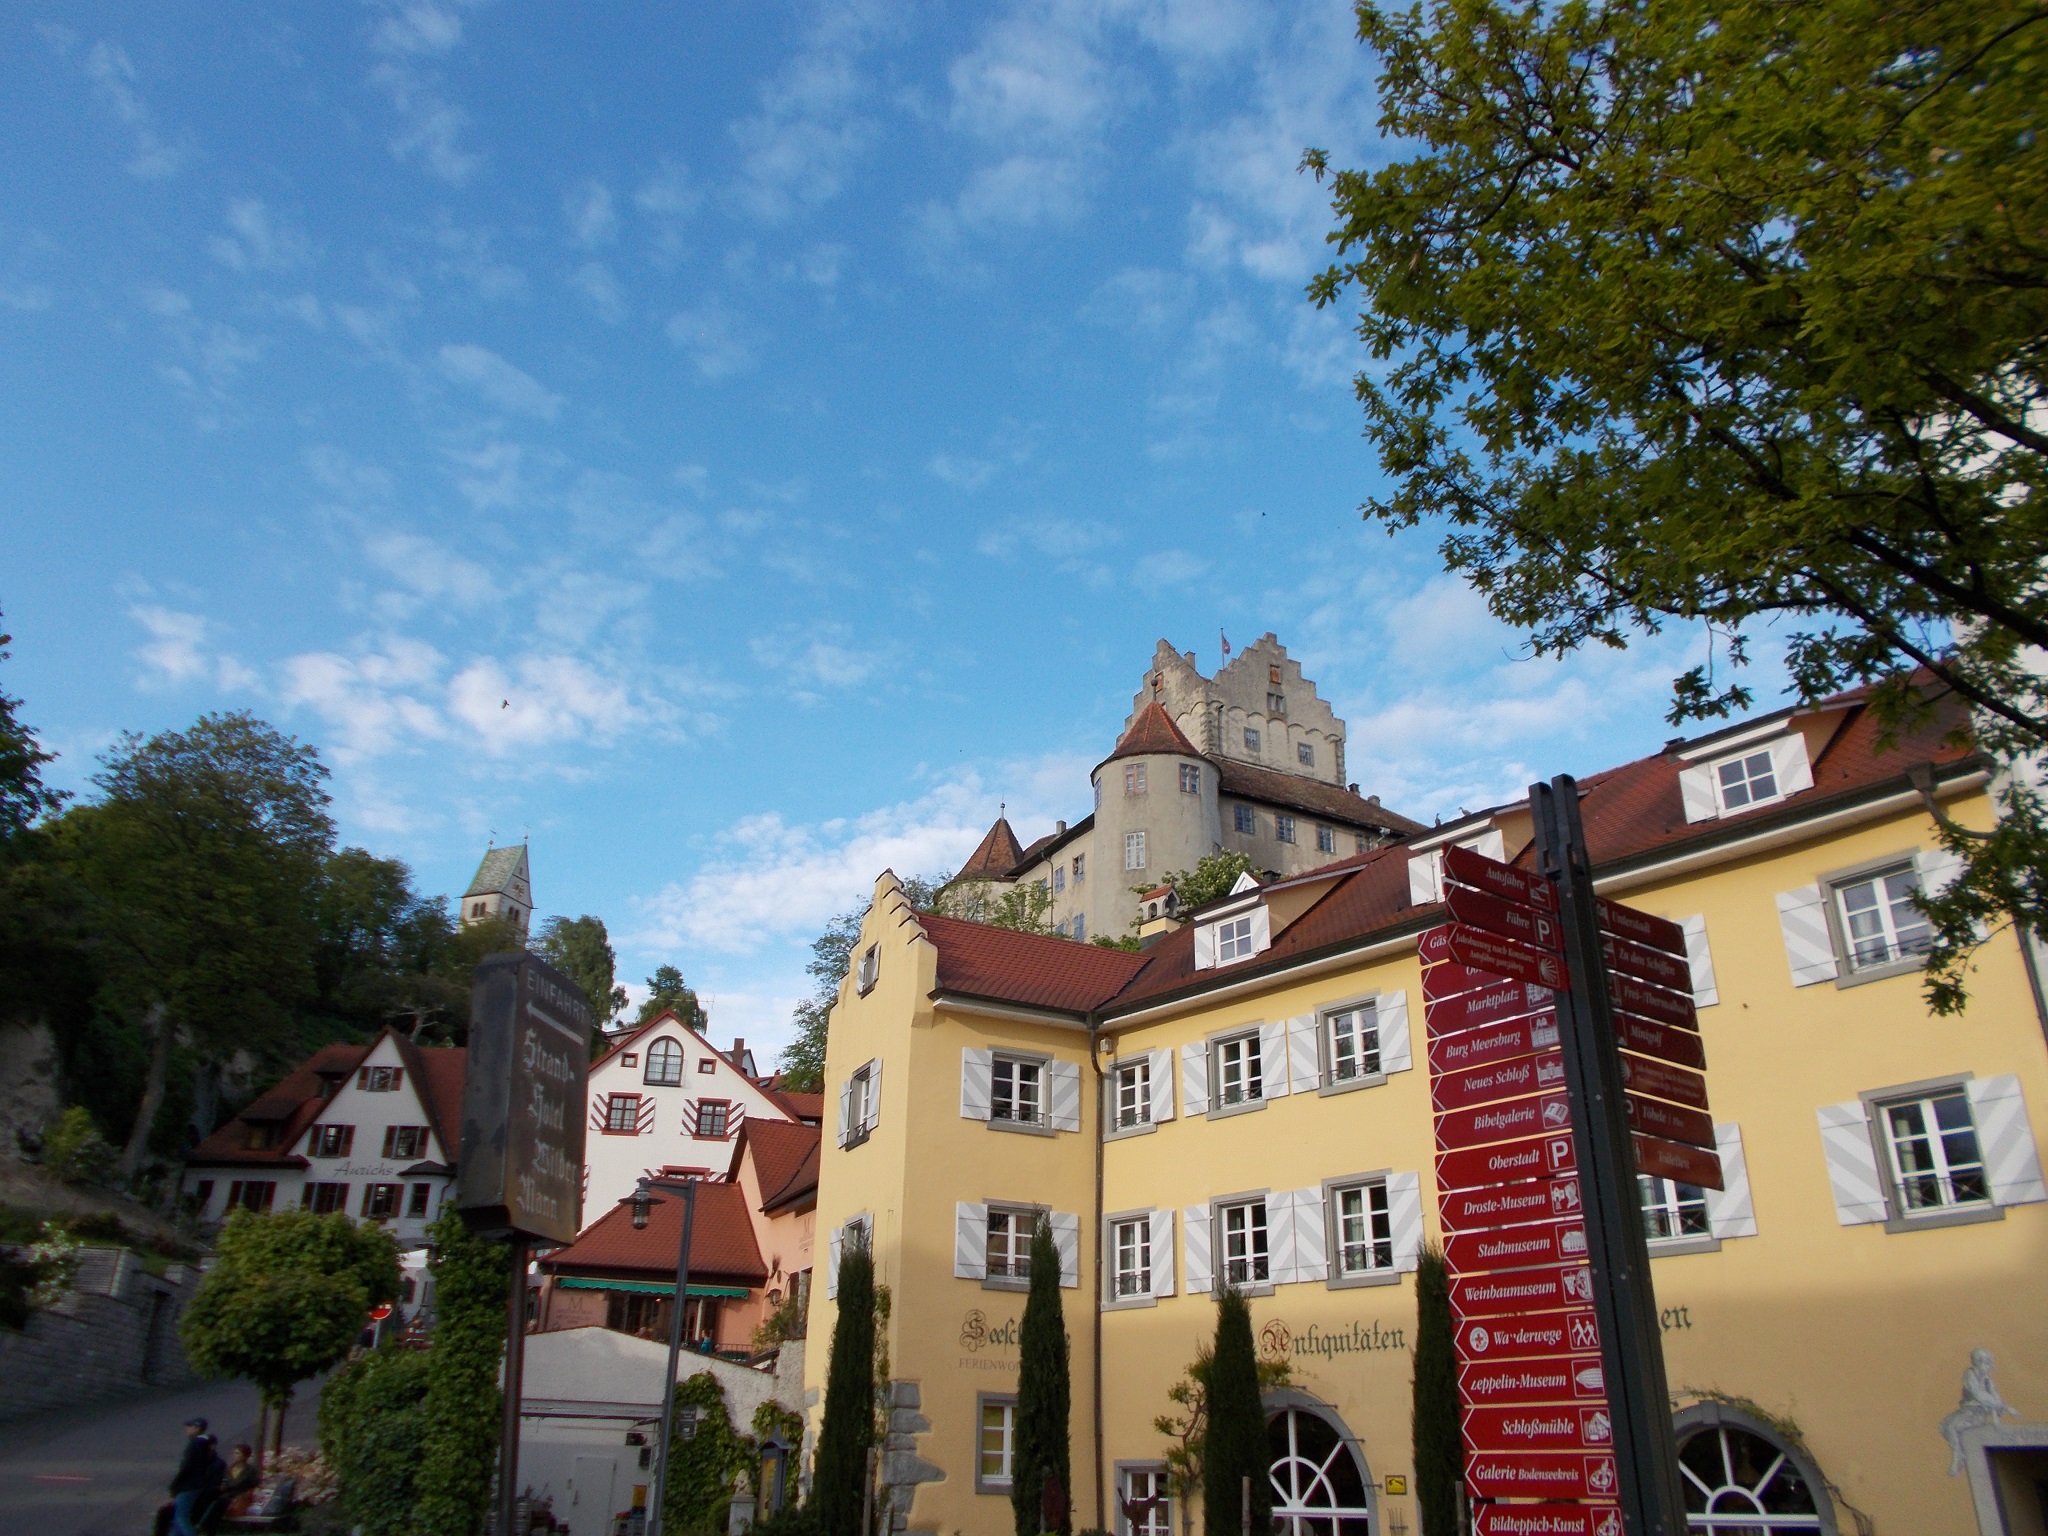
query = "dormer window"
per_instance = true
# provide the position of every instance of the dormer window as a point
(1766, 766)
(1236, 933)
(1746, 780)
(1234, 939)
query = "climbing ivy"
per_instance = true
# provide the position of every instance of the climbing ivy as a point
(459, 1416)
(703, 1468)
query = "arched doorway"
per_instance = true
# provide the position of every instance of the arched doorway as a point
(1320, 1483)
(1742, 1478)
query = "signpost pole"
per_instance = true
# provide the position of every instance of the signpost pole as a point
(675, 1348)
(515, 1372)
(1632, 1351)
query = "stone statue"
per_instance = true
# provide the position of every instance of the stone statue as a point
(1981, 1406)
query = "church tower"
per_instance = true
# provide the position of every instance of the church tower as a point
(502, 888)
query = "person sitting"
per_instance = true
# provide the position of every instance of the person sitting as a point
(236, 1493)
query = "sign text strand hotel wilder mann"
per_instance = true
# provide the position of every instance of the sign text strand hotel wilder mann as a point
(1241, 1102)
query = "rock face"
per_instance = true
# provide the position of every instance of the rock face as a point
(28, 1085)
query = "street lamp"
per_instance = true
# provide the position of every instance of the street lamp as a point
(640, 1202)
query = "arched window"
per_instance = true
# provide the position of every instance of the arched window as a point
(1744, 1479)
(1319, 1481)
(665, 1064)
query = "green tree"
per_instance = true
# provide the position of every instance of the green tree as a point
(1213, 875)
(580, 949)
(1025, 906)
(802, 1063)
(696, 1493)
(1188, 1427)
(1234, 1444)
(668, 992)
(44, 968)
(460, 1411)
(838, 1482)
(384, 950)
(286, 1298)
(1729, 315)
(24, 798)
(1433, 1422)
(1041, 1452)
(372, 1421)
(199, 863)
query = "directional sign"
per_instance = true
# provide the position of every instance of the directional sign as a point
(1644, 1075)
(1434, 945)
(1490, 1004)
(1507, 918)
(1657, 932)
(1531, 1381)
(1547, 1242)
(1673, 1122)
(1654, 1003)
(1547, 1520)
(1452, 980)
(1522, 1290)
(1681, 1164)
(1483, 951)
(1541, 1474)
(1508, 1205)
(1462, 1087)
(1533, 1157)
(1494, 1042)
(1540, 1336)
(1679, 1045)
(1564, 1427)
(1502, 880)
(1497, 1122)
(1633, 959)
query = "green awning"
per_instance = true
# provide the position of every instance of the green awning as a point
(647, 1287)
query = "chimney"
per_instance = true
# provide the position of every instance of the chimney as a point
(1354, 789)
(1059, 829)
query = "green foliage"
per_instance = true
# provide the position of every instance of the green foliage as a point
(668, 993)
(580, 949)
(286, 1298)
(37, 1275)
(1127, 942)
(1213, 876)
(838, 1481)
(1188, 1428)
(385, 953)
(1439, 1452)
(459, 1433)
(372, 1423)
(1234, 1446)
(791, 1520)
(703, 1469)
(1729, 315)
(802, 1063)
(1025, 906)
(24, 798)
(784, 1323)
(1044, 1396)
(74, 1149)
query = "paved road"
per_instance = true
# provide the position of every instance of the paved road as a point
(101, 1471)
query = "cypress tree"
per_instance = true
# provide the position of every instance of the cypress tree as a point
(1235, 1446)
(839, 1483)
(1439, 1453)
(1044, 1396)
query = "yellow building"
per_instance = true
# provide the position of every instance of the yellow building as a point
(1248, 1099)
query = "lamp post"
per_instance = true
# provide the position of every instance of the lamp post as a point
(640, 1202)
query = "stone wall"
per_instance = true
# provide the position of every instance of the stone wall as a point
(114, 1333)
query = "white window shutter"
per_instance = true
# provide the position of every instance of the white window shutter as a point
(1273, 1060)
(1425, 878)
(1789, 765)
(1205, 946)
(1280, 1236)
(1731, 1212)
(1490, 845)
(970, 1241)
(1262, 930)
(1194, 1228)
(832, 1262)
(1066, 1236)
(2005, 1140)
(1304, 1070)
(1701, 958)
(1162, 1253)
(1809, 948)
(1852, 1164)
(1065, 1099)
(845, 1117)
(1938, 869)
(1311, 1256)
(874, 1095)
(1194, 1077)
(1404, 1219)
(977, 1072)
(1162, 1084)
(1696, 793)
(1395, 1053)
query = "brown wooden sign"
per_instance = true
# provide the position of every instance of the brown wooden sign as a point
(1504, 957)
(1659, 1040)
(1492, 1001)
(1654, 1003)
(1532, 1157)
(1673, 1122)
(1633, 959)
(1657, 932)
(1678, 1162)
(1645, 1074)
(1498, 879)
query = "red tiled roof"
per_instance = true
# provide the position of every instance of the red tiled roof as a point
(801, 1185)
(1311, 795)
(1152, 733)
(778, 1149)
(290, 1106)
(438, 1074)
(995, 857)
(1026, 968)
(722, 1246)
(808, 1106)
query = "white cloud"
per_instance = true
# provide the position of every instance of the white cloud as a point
(491, 476)
(431, 571)
(812, 662)
(594, 280)
(797, 150)
(711, 334)
(113, 78)
(408, 34)
(498, 381)
(1168, 568)
(207, 355)
(1033, 78)
(965, 473)
(256, 242)
(179, 652)
(539, 701)
(593, 221)
(383, 696)
(1141, 299)
(667, 199)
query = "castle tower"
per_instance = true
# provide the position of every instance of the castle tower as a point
(503, 888)
(1155, 812)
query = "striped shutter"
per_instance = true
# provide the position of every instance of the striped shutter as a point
(874, 1095)
(1066, 1236)
(642, 1126)
(1704, 993)
(1205, 946)
(1809, 947)
(1311, 1255)
(1262, 929)
(845, 1129)
(1730, 1210)
(2005, 1140)
(1195, 1279)
(1162, 1084)
(1938, 869)
(970, 1241)
(832, 1262)
(1303, 1069)
(1425, 878)
(1066, 1095)
(1404, 1218)
(1162, 1253)
(1696, 791)
(1280, 1255)
(1789, 764)
(1194, 1077)
(1273, 1060)
(977, 1077)
(1391, 1010)
(686, 1116)
(1852, 1164)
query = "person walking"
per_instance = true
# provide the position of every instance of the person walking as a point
(193, 1478)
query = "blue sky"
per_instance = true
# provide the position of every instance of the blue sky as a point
(735, 445)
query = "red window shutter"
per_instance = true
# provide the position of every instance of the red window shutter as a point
(362, 1077)
(390, 1140)
(348, 1139)
(397, 1078)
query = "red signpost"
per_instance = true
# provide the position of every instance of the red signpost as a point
(1536, 1337)
(1542, 1475)
(1547, 1520)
